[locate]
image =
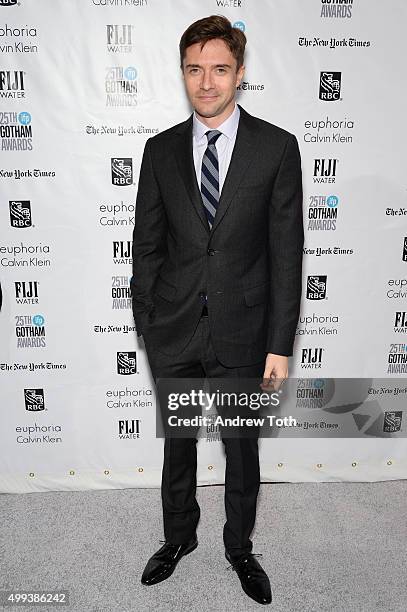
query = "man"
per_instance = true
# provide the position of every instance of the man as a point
(217, 256)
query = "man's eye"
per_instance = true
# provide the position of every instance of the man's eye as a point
(193, 71)
(221, 70)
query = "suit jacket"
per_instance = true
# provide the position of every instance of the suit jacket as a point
(249, 263)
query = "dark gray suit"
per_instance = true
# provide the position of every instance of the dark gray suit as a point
(248, 266)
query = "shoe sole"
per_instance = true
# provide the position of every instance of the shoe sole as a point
(187, 551)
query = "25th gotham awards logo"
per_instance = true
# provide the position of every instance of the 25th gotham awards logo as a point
(119, 38)
(30, 331)
(34, 399)
(16, 131)
(122, 171)
(339, 9)
(330, 86)
(397, 359)
(316, 287)
(322, 212)
(120, 293)
(12, 84)
(20, 213)
(26, 292)
(126, 363)
(121, 86)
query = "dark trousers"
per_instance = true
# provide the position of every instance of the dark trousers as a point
(181, 511)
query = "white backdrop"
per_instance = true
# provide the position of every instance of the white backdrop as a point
(83, 84)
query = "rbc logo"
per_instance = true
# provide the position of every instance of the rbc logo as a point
(24, 118)
(240, 25)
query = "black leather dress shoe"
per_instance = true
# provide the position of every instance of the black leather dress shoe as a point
(162, 564)
(253, 578)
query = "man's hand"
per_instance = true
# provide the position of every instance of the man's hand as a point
(275, 372)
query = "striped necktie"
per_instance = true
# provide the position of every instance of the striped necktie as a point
(210, 177)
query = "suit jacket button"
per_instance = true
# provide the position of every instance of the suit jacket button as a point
(211, 251)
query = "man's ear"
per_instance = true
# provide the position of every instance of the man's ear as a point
(239, 75)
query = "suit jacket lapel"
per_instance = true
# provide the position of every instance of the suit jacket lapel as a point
(185, 161)
(241, 158)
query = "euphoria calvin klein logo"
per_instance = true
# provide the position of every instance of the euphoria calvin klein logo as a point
(30, 331)
(20, 213)
(121, 296)
(122, 251)
(12, 84)
(325, 170)
(129, 428)
(392, 421)
(316, 287)
(119, 38)
(122, 171)
(330, 86)
(26, 292)
(404, 257)
(34, 399)
(126, 363)
(311, 358)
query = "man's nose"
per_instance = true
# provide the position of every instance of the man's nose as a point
(207, 82)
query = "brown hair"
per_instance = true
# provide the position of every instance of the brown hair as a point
(208, 28)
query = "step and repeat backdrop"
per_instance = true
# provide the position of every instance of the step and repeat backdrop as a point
(83, 85)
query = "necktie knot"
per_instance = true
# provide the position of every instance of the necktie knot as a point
(212, 136)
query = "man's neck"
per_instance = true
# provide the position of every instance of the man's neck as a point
(215, 122)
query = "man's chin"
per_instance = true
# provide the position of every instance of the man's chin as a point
(208, 111)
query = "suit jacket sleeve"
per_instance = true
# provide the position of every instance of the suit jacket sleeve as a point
(286, 240)
(149, 240)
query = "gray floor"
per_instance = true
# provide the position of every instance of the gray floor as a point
(326, 547)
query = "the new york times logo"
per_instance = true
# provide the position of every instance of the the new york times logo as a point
(122, 252)
(119, 38)
(26, 292)
(15, 131)
(121, 296)
(12, 84)
(338, 9)
(311, 358)
(129, 428)
(34, 399)
(316, 287)
(20, 213)
(126, 363)
(122, 171)
(392, 421)
(330, 86)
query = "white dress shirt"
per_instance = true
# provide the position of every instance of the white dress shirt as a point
(224, 144)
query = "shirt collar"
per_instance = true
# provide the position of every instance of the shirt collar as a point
(228, 127)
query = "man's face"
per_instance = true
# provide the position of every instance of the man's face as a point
(211, 78)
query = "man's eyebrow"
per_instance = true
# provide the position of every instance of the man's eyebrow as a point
(216, 66)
